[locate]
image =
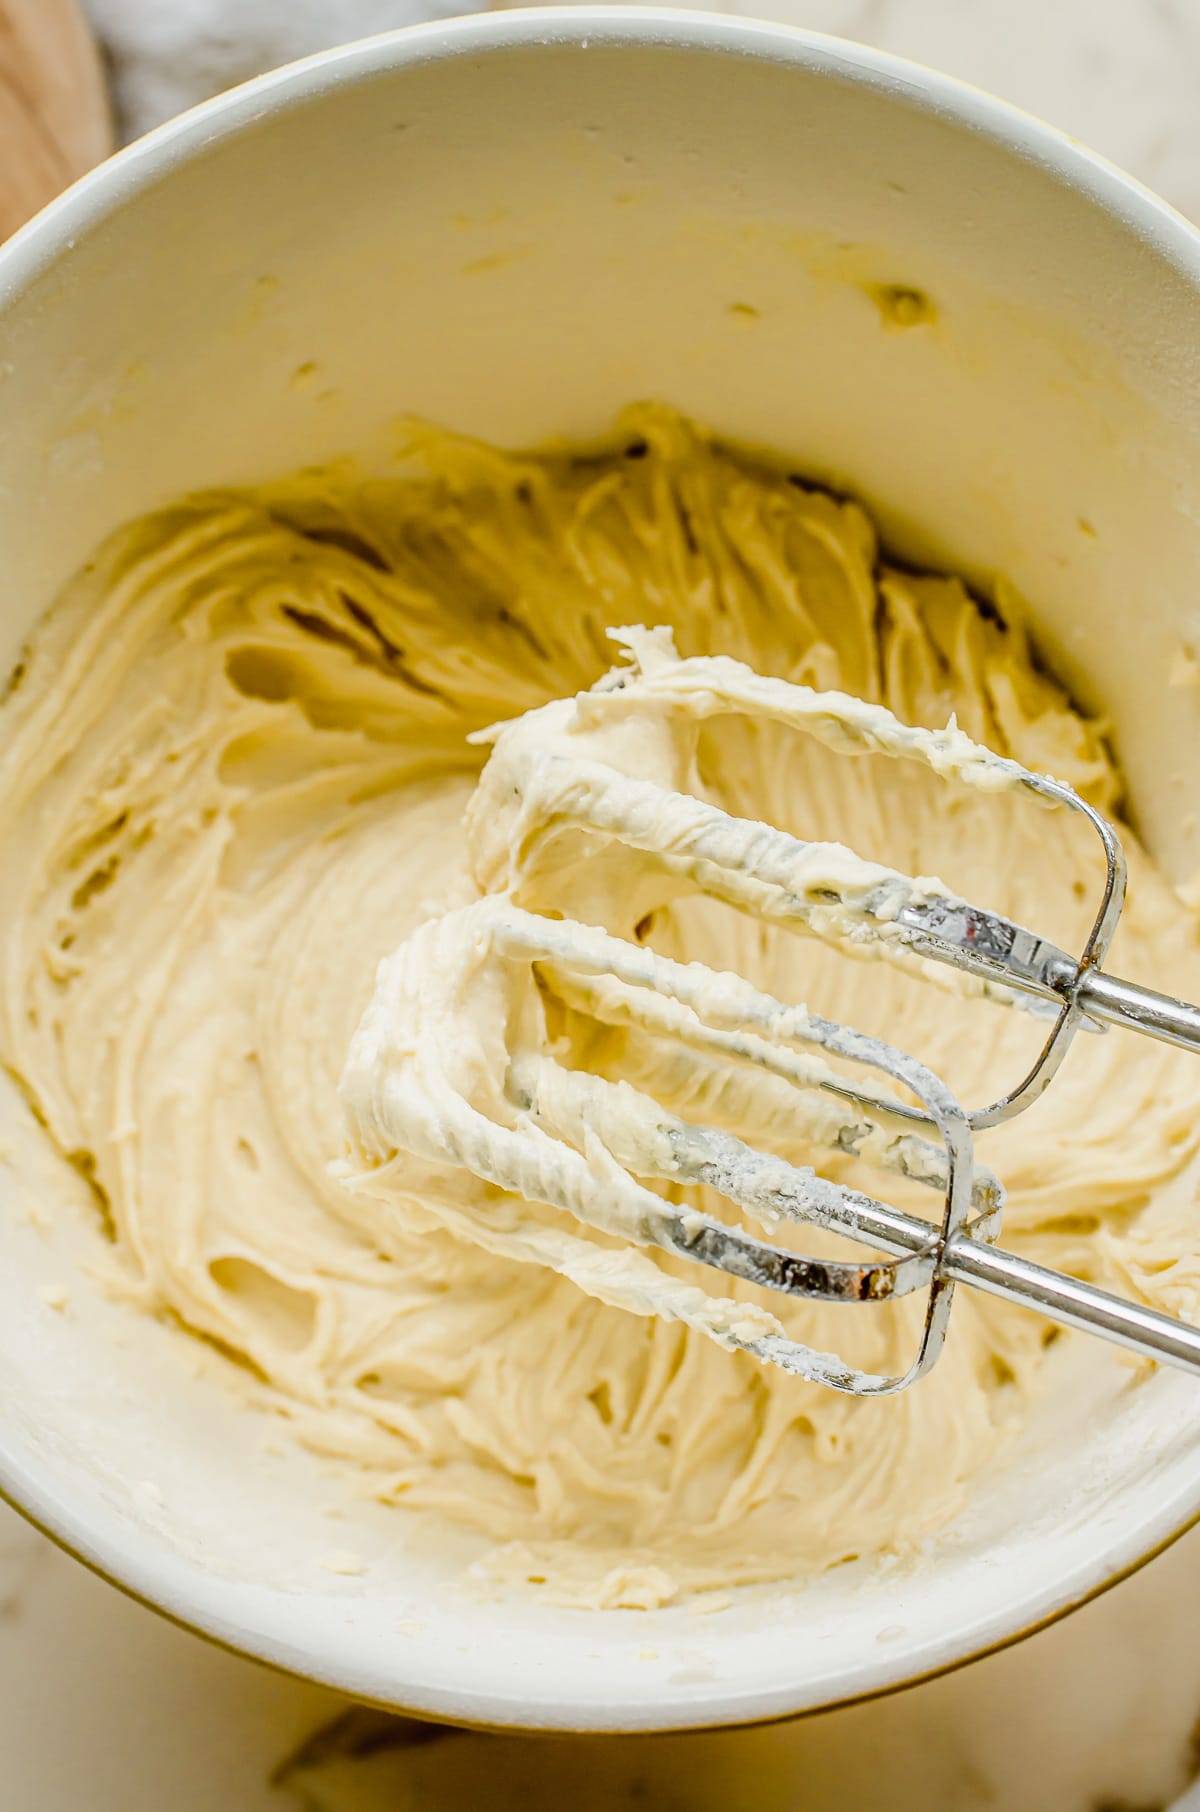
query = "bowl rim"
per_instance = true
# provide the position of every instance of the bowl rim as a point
(97, 194)
(42, 241)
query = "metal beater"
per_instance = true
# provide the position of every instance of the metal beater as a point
(589, 1146)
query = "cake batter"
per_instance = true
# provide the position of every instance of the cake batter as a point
(234, 770)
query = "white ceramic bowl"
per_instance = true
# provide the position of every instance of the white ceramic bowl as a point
(515, 224)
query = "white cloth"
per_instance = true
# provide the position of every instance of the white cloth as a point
(168, 56)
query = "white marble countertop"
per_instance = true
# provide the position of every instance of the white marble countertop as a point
(105, 1708)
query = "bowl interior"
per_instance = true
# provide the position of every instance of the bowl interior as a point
(514, 226)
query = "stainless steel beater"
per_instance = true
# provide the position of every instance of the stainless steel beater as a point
(556, 1119)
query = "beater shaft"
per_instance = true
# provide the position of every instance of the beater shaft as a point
(1122, 1003)
(1073, 1303)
